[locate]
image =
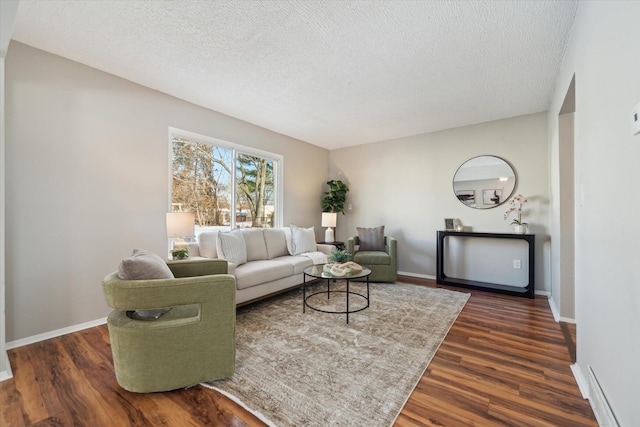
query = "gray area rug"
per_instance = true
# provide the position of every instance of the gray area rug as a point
(312, 369)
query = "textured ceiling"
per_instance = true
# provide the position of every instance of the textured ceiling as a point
(332, 73)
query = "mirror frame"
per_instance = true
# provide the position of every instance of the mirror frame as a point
(478, 192)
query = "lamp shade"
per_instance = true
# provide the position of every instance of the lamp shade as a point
(180, 224)
(329, 219)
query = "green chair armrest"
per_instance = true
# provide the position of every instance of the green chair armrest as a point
(198, 267)
(392, 246)
(351, 244)
(162, 293)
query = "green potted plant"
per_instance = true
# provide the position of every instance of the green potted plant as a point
(180, 253)
(335, 198)
(338, 256)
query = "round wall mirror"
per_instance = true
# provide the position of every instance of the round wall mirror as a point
(484, 182)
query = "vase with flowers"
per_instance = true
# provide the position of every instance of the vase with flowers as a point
(517, 202)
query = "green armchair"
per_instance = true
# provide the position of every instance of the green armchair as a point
(383, 264)
(193, 342)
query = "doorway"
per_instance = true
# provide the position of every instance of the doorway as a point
(566, 163)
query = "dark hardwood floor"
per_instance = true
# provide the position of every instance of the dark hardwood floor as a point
(504, 362)
(569, 331)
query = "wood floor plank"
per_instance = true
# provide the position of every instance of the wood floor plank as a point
(504, 362)
(32, 378)
(11, 409)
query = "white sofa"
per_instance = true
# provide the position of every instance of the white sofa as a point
(264, 261)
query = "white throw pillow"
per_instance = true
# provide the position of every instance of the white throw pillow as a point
(276, 241)
(254, 241)
(231, 246)
(287, 238)
(303, 240)
(208, 242)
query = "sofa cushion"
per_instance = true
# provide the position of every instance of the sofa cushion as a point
(143, 265)
(231, 247)
(207, 243)
(372, 258)
(303, 240)
(255, 244)
(371, 239)
(299, 263)
(258, 272)
(276, 242)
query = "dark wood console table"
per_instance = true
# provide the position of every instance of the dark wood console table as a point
(443, 279)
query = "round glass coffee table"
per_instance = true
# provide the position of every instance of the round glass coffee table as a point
(317, 272)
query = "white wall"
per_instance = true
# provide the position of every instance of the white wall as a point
(87, 181)
(603, 53)
(8, 11)
(406, 185)
(564, 293)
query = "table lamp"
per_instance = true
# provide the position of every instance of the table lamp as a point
(329, 220)
(179, 225)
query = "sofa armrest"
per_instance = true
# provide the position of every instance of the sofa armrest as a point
(325, 248)
(197, 267)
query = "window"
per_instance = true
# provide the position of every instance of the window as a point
(225, 185)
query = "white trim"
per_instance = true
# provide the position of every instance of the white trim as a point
(583, 384)
(53, 334)
(5, 367)
(599, 403)
(554, 309)
(278, 166)
(426, 276)
(422, 276)
(7, 374)
(556, 313)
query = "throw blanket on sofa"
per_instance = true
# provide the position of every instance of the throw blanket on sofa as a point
(316, 257)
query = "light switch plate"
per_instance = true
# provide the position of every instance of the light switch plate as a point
(635, 120)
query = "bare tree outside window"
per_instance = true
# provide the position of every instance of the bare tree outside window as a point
(254, 185)
(202, 184)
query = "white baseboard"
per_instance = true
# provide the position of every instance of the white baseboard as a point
(599, 403)
(554, 309)
(421, 276)
(7, 374)
(583, 384)
(52, 334)
(591, 390)
(426, 276)
(556, 313)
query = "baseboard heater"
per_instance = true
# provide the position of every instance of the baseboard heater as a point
(599, 403)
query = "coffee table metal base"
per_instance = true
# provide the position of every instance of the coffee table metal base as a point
(328, 292)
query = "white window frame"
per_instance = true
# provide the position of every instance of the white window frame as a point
(278, 168)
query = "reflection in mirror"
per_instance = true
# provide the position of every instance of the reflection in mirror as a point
(484, 182)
